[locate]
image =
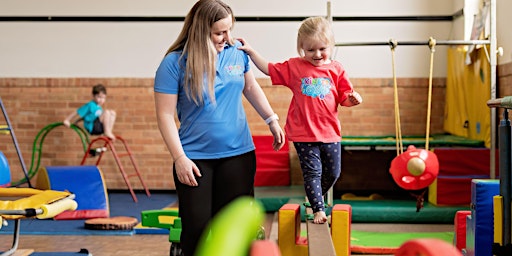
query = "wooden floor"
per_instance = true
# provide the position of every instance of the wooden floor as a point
(158, 245)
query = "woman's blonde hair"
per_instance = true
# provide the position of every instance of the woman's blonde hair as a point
(195, 42)
(314, 28)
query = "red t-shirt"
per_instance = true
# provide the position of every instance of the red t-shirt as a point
(317, 92)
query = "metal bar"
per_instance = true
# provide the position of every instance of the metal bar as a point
(238, 18)
(505, 176)
(15, 142)
(426, 42)
(505, 190)
(493, 62)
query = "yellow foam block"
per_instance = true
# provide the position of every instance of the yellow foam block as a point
(289, 241)
(498, 219)
(341, 216)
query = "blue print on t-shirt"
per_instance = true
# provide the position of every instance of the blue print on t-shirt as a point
(316, 87)
(234, 70)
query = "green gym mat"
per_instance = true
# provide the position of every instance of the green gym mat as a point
(436, 140)
(388, 242)
(399, 211)
(363, 211)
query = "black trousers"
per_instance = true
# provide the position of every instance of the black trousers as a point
(222, 181)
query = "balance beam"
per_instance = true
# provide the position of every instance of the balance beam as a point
(292, 244)
(319, 239)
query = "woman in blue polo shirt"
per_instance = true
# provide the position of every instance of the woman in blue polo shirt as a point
(202, 79)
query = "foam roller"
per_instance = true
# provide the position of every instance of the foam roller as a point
(51, 210)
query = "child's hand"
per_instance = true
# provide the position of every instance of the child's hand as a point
(66, 123)
(245, 46)
(355, 98)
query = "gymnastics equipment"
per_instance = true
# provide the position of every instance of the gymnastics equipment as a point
(264, 248)
(86, 182)
(503, 244)
(427, 247)
(154, 218)
(32, 203)
(109, 144)
(37, 148)
(291, 243)
(414, 169)
(5, 174)
(9, 129)
(319, 237)
(493, 53)
(232, 230)
(505, 102)
(459, 238)
(457, 167)
(479, 225)
(357, 150)
(112, 223)
(272, 167)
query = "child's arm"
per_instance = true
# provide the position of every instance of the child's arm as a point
(258, 60)
(353, 99)
(69, 118)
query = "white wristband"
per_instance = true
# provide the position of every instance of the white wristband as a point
(271, 118)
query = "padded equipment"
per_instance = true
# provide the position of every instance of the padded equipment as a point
(5, 172)
(86, 182)
(480, 226)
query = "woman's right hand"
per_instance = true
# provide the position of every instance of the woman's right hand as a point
(186, 170)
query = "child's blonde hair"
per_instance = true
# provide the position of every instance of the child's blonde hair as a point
(314, 28)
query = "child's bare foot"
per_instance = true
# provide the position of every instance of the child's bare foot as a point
(320, 217)
(111, 136)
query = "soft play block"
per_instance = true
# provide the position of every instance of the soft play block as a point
(459, 238)
(272, 167)
(482, 224)
(289, 240)
(470, 237)
(464, 161)
(450, 190)
(457, 167)
(5, 171)
(85, 182)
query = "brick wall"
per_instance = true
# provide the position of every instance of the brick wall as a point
(32, 104)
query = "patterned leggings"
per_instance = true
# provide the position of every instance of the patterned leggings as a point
(321, 167)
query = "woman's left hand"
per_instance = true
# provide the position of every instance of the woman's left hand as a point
(278, 134)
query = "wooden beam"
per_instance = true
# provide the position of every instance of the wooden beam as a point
(319, 238)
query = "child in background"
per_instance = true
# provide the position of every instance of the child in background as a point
(319, 85)
(96, 120)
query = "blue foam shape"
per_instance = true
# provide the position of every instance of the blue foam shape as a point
(482, 193)
(83, 181)
(5, 171)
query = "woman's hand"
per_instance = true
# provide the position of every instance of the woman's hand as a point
(186, 170)
(278, 134)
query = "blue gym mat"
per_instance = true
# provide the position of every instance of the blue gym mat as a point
(121, 204)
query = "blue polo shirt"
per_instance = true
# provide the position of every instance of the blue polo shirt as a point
(214, 129)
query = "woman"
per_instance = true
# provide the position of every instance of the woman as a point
(202, 79)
